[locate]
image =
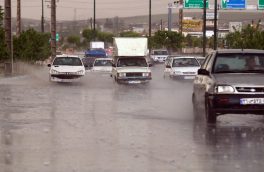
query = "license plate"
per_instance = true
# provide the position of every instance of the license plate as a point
(252, 101)
(189, 77)
(134, 82)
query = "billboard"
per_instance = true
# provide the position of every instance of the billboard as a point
(192, 25)
(233, 4)
(235, 26)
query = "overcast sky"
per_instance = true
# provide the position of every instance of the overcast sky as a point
(104, 8)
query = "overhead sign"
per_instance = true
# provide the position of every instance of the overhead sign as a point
(233, 4)
(261, 4)
(195, 4)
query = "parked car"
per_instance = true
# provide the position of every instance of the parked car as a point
(66, 68)
(230, 81)
(181, 67)
(102, 65)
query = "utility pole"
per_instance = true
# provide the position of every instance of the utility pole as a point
(42, 16)
(215, 25)
(149, 18)
(180, 16)
(18, 29)
(169, 16)
(204, 28)
(8, 31)
(94, 36)
(53, 29)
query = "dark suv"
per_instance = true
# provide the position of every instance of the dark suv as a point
(230, 81)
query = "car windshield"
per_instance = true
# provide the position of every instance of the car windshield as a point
(239, 63)
(160, 53)
(67, 61)
(185, 62)
(123, 62)
(200, 60)
(102, 63)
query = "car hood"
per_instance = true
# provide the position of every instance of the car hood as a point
(67, 68)
(133, 69)
(186, 69)
(240, 79)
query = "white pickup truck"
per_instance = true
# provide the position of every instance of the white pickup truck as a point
(129, 60)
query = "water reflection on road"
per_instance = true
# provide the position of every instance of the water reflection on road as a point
(98, 125)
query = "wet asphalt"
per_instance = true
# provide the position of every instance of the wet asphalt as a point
(97, 125)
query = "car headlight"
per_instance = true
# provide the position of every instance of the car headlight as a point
(225, 89)
(54, 71)
(80, 72)
(146, 74)
(121, 74)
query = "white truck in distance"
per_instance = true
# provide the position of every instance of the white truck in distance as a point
(129, 60)
(97, 45)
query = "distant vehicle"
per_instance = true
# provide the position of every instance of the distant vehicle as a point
(159, 55)
(97, 45)
(102, 65)
(200, 60)
(66, 68)
(230, 81)
(181, 67)
(129, 61)
(97, 53)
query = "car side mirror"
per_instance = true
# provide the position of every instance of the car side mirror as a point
(113, 65)
(150, 65)
(168, 66)
(203, 72)
(49, 65)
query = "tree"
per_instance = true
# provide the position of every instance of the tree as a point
(89, 34)
(74, 40)
(249, 37)
(32, 46)
(3, 48)
(1, 16)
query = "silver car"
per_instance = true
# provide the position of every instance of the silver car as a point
(230, 81)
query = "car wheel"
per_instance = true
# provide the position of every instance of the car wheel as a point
(209, 113)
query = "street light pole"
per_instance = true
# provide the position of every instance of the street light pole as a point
(149, 18)
(204, 28)
(215, 25)
(42, 17)
(94, 23)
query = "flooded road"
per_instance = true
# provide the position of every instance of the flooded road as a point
(100, 126)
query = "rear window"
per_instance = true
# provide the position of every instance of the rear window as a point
(160, 53)
(185, 62)
(102, 63)
(67, 61)
(237, 63)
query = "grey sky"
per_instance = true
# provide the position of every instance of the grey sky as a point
(104, 8)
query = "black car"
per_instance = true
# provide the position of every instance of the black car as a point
(230, 82)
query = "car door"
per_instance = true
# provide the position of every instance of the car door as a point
(199, 83)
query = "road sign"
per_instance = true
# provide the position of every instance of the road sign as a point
(261, 4)
(195, 4)
(235, 26)
(57, 37)
(233, 4)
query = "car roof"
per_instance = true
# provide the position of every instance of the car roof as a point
(67, 55)
(228, 51)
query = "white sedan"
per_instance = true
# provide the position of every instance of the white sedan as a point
(102, 65)
(182, 67)
(66, 68)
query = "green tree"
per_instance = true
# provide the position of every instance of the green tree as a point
(167, 39)
(89, 34)
(1, 16)
(31, 46)
(129, 34)
(249, 37)
(74, 40)
(4, 55)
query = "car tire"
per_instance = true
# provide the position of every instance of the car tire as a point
(210, 114)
